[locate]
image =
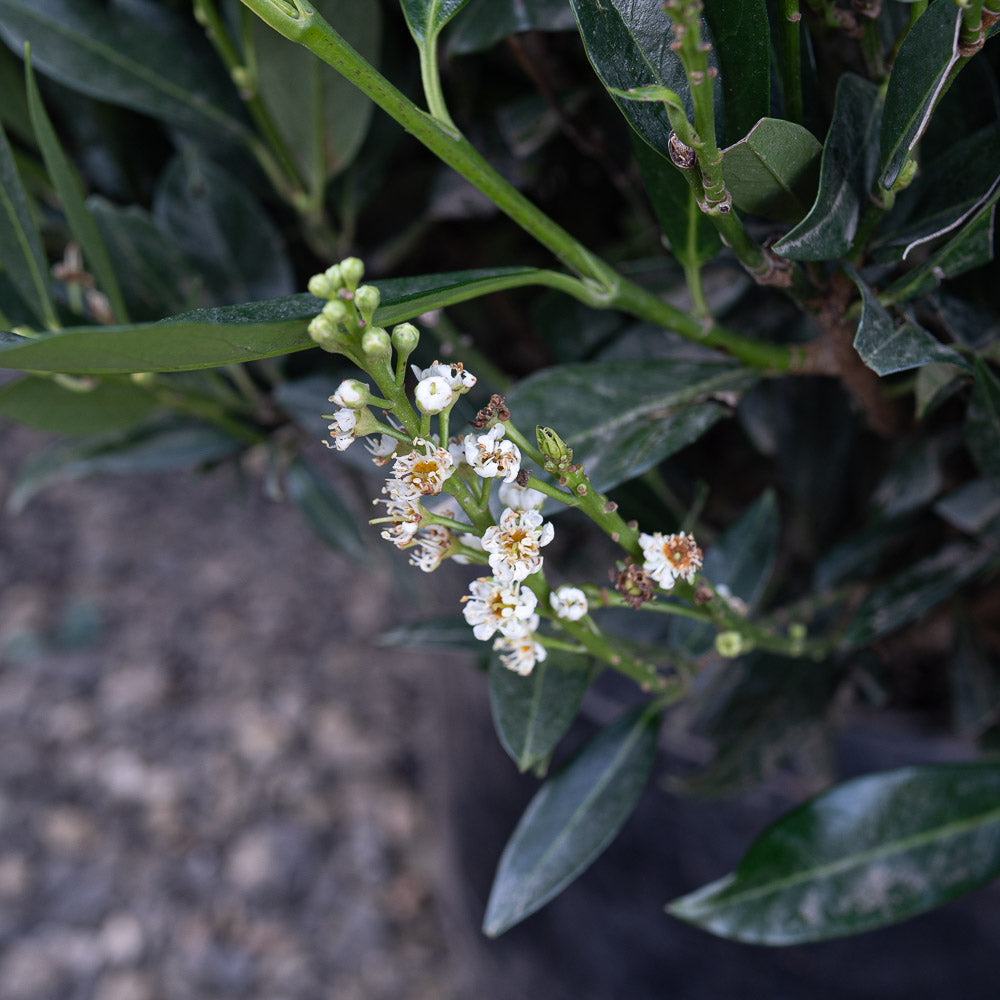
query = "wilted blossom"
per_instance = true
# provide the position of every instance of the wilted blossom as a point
(514, 543)
(430, 546)
(403, 513)
(490, 455)
(568, 603)
(492, 606)
(670, 557)
(519, 654)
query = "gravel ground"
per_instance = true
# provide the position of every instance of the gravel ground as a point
(209, 771)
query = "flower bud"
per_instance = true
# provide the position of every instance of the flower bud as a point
(324, 333)
(432, 395)
(730, 645)
(375, 343)
(554, 449)
(336, 312)
(351, 394)
(352, 271)
(366, 299)
(404, 338)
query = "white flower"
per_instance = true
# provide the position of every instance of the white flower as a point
(426, 467)
(402, 512)
(513, 544)
(520, 497)
(520, 654)
(351, 394)
(433, 394)
(455, 375)
(430, 547)
(670, 557)
(470, 542)
(491, 456)
(382, 449)
(569, 603)
(342, 429)
(492, 606)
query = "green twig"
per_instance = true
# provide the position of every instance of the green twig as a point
(790, 58)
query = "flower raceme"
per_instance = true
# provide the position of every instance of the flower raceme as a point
(513, 544)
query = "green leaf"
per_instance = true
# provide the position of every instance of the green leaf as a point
(743, 41)
(319, 114)
(328, 515)
(531, 714)
(426, 18)
(70, 191)
(911, 593)
(486, 22)
(49, 406)
(975, 683)
(692, 237)
(207, 338)
(624, 417)
(972, 506)
(626, 43)
(448, 632)
(919, 77)
(572, 818)
(139, 55)
(14, 108)
(222, 230)
(846, 175)
(774, 170)
(868, 853)
(970, 248)
(885, 348)
(20, 245)
(159, 447)
(982, 421)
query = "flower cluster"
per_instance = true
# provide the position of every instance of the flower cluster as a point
(670, 557)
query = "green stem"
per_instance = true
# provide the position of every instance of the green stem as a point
(790, 58)
(606, 288)
(430, 74)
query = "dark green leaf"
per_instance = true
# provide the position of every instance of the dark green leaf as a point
(14, 108)
(866, 854)
(426, 18)
(160, 447)
(531, 714)
(70, 191)
(912, 481)
(975, 683)
(885, 348)
(846, 176)
(692, 237)
(624, 417)
(449, 632)
(139, 54)
(486, 22)
(918, 78)
(743, 42)
(572, 819)
(972, 506)
(106, 406)
(327, 514)
(20, 245)
(916, 590)
(773, 171)
(627, 44)
(207, 338)
(320, 115)
(982, 422)
(222, 230)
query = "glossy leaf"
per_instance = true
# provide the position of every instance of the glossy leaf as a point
(886, 348)
(20, 245)
(486, 22)
(43, 403)
(626, 43)
(774, 170)
(846, 175)
(14, 108)
(70, 191)
(426, 18)
(139, 55)
(743, 43)
(319, 114)
(448, 632)
(207, 338)
(919, 75)
(982, 422)
(159, 447)
(866, 854)
(911, 593)
(531, 714)
(692, 237)
(222, 230)
(624, 417)
(572, 819)
(329, 517)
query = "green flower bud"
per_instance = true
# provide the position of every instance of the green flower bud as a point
(352, 271)
(729, 644)
(320, 286)
(366, 299)
(336, 312)
(376, 345)
(405, 337)
(324, 333)
(907, 175)
(554, 449)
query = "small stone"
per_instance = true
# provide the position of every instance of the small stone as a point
(66, 829)
(27, 972)
(14, 876)
(121, 939)
(124, 986)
